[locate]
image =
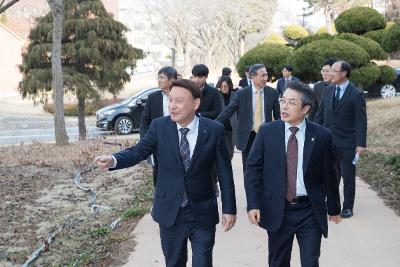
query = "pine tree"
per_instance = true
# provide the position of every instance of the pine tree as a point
(95, 55)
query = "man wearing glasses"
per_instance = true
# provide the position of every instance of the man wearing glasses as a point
(343, 111)
(321, 86)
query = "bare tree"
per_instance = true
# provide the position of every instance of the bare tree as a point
(4, 6)
(57, 10)
(392, 10)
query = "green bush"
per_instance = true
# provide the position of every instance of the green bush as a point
(275, 38)
(273, 56)
(359, 20)
(373, 48)
(295, 32)
(376, 35)
(312, 38)
(388, 74)
(365, 76)
(391, 38)
(307, 59)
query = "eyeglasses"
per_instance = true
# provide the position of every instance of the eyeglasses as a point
(325, 71)
(335, 71)
(284, 101)
(162, 78)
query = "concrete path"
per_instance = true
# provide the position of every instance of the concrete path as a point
(371, 238)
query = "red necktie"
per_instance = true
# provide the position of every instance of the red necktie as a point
(291, 164)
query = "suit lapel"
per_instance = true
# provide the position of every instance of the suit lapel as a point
(309, 141)
(172, 134)
(281, 151)
(159, 106)
(344, 97)
(202, 137)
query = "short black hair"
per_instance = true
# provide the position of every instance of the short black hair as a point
(200, 70)
(226, 79)
(226, 71)
(254, 68)
(307, 97)
(329, 62)
(288, 68)
(169, 71)
(247, 68)
(345, 66)
(190, 86)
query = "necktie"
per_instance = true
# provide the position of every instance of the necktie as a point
(286, 84)
(337, 97)
(291, 164)
(184, 151)
(258, 112)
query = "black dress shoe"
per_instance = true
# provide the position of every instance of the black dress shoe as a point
(346, 213)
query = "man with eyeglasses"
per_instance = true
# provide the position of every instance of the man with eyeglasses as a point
(157, 106)
(343, 111)
(290, 180)
(320, 87)
(254, 104)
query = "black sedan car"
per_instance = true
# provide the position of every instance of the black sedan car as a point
(385, 90)
(124, 117)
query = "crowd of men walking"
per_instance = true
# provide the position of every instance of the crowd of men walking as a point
(296, 145)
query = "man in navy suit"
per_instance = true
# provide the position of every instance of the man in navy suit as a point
(157, 106)
(343, 111)
(185, 204)
(291, 182)
(284, 81)
(254, 105)
(246, 80)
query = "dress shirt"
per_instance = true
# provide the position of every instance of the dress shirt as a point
(165, 104)
(192, 134)
(343, 87)
(254, 97)
(300, 136)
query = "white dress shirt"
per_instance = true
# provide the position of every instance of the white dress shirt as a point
(192, 134)
(165, 104)
(300, 136)
(343, 87)
(254, 96)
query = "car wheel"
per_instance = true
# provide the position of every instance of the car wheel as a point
(388, 90)
(123, 125)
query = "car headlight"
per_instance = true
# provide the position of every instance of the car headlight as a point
(106, 113)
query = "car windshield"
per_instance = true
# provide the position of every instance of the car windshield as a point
(137, 94)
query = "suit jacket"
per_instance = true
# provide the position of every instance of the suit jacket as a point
(242, 103)
(280, 87)
(162, 139)
(348, 122)
(243, 82)
(233, 119)
(266, 180)
(210, 104)
(152, 110)
(319, 89)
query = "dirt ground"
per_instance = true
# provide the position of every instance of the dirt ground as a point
(38, 198)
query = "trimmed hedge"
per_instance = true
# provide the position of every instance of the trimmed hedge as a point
(359, 20)
(275, 38)
(373, 48)
(312, 38)
(388, 74)
(376, 35)
(366, 75)
(391, 38)
(295, 32)
(273, 56)
(307, 59)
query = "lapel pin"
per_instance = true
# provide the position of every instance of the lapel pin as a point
(312, 139)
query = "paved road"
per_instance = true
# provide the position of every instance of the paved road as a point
(371, 238)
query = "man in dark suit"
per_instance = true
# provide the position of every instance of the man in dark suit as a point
(185, 205)
(210, 105)
(320, 87)
(291, 181)
(157, 106)
(284, 81)
(246, 80)
(343, 110)
(254, 105)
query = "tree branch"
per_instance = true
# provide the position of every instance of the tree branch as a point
(6, 6)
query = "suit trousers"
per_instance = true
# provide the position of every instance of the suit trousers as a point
(299, 220)
(245, 153)
(174, 241)
(347, 170)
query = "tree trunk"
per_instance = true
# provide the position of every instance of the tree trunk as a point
(58, 87)
(81, 119)
(173, 57)
(329, 20)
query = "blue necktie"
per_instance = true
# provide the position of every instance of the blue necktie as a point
(337, 97)
(184, 151)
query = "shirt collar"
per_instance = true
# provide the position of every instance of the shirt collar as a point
(255, 90)
(343, 85)
(192, 126)
(301, 126)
